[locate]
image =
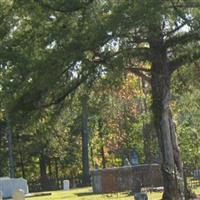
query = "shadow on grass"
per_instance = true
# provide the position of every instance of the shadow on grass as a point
(81, 194)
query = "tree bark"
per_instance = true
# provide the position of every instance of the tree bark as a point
(10, 146)
(85, 141)
(49, 167)
(22, 163)
(43, 171)
(171, 163)
(1, 147)
(56, 171)
(103, 157)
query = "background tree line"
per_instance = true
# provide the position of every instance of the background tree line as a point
(101, 76)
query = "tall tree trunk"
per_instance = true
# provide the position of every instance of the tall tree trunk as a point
(43, 171)
(49, 167)
(56, 171)
(22, 164)
(165, 128)
(1, 147)
(103, 157)
(10, 146)
(102, 152)
(92, 157)
(85, 141)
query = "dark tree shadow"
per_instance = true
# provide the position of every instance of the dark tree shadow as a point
(86, 194)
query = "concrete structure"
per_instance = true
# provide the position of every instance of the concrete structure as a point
(9, 185)
(126, 178)
(66, 185)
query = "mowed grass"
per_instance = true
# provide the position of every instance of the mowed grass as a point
(87, 194)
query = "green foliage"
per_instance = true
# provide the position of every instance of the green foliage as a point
(49, 50)
(186, 107)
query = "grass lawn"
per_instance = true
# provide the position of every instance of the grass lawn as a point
(86, 194)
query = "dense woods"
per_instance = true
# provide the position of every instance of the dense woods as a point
(83, 83)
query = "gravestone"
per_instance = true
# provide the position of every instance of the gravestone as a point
(134, 158)
(9, 185)
(196, 174)
(141, 196)
(1, 195)
(19, 195)
(66, 185)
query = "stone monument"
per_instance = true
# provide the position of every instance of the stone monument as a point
(141, 196)
(134, 157)
(66, 185)
(19, 195)
(9, 185)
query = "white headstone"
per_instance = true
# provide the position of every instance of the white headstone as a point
(1, 195)
(196, 174)
(9, 185)
(19, 195)
(66, 185)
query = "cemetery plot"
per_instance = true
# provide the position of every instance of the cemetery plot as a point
(126, 178)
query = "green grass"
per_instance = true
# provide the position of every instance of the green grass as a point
(86, 194)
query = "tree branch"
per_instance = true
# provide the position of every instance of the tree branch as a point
(142, 69)
(143, 53)
(176, 29)
(74, 85)
(182, 39)
(138, 72)
(181, 60)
